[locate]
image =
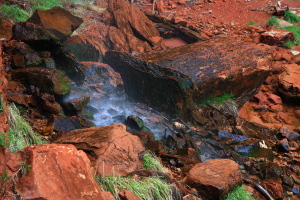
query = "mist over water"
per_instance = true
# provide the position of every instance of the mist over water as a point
(111, 109)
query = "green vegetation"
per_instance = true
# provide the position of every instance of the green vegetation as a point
(239, 193)
(272, 21)
(289, 44)
(251, 23)
(148, 188)
(217, 100)
(14, 13)
(20, 133)
(151, 162)
(296, 31)
(18, 14)
(2, 106)
(291, 17)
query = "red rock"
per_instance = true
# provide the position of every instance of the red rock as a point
(127, 195)
(129, 19)
(282, 6)
(274, 189)
(58, 21)
(274, 98)
(3, 97)
(181, 2)
(57, 172)
(5, 29)
(297, 113)
(262, 98)
(276, 37)
(108, 147)
(215, 178)
(107, 196)
(276, 108)
(283, 117)
(160, 7)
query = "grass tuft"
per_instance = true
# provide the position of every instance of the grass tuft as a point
(20, 133)
(272, 21)
(151, 162)
(148, 188)
(289, 44)
(291, 17)
(239, 193)
(251, 23)
(296, 31)
(14, 13)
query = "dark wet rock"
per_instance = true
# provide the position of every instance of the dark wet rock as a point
(255, 149)
(52, 81)
(193, 72)
(132, 21)
(57, 22)
(18, 61)
(283, 145)
(5, 29)
(145, 137)
(271, 170)
(296, 190)
(110, 148)
(49, 104)
(287, 180)
(16, 93)
(276, 37)
(290, 135)
(134, 122)
(208, 151)
(76, 105)
(65, 124)
(20, 32)
(83, 48)
(215, 178)
(64, 167)
(238, 138)
(102, 77)
(273, 188)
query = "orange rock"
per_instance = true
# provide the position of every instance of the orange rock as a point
(127, 195)
(57, 171)
(215, 178)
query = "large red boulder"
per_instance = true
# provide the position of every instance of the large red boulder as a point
(215, 178)
(172, 80)
(133, 21)
(110, 148)
(56, 171)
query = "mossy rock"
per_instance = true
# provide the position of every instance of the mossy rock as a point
(52, 81)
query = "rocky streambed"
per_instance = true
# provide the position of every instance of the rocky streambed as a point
(104, 95)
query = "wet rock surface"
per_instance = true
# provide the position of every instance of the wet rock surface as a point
(191, 71)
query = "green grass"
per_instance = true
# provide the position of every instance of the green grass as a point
(291, 17)
(217, 100)
(20, 133)
(2, 106)
(251, 23)
(272, 21)
(239, 193)
(296, 31)
(289, 44)
(44, 4)
(14, 13)
(151, 162)
(148, 188)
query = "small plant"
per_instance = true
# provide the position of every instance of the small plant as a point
(13, 12)
(4, 178)
(20, 133)
(289, 44)
(217, 100)
(272, 21)
(251, 23)
(2, 106)
(148, 188)
(151, 162)
(291, 17)
(239, 193)
(296, 31)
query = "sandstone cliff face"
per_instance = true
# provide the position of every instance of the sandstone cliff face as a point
(3, 97)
